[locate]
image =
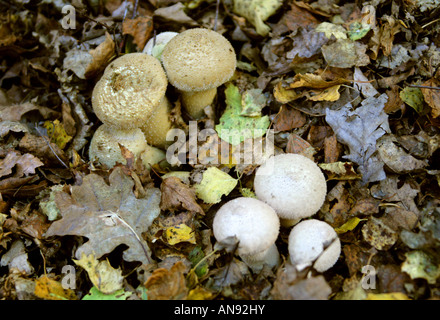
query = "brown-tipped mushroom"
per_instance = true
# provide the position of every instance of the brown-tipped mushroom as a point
(197, 61)
(131, 87)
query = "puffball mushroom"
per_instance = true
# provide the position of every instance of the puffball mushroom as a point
(131, 87)
(104, 146)
(155, 45)
(256, 227)
(291, 184)
(158, 124)
(313, 243)
(197, 61)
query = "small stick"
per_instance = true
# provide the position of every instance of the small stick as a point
(423, 87)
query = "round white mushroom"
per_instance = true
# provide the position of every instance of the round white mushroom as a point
(291, 184)
(313, 243)
(256, 227)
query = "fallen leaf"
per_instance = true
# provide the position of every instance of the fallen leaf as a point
(176, 14)
(413, 97)
(179, 233)
(57, 134)
(340, 171)
(256, 12)
(331, 29)
(95, 294)
(235, 128)
(432, 96)
(296, 144)
(419, 264)
(101, 56)
(360, 129)
(49, 289)
(387, 296)
(378, 234)
(288, 119)
(175, 195)
(396, 158)
(345, 53)
(349, 225)
(103, 276)
(140, 28)
(23, 165)
(215, 184)
(164, 284)
(108, 215)
(15, 112)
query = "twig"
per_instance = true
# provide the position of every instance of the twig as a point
(217, 9)
(423, 87)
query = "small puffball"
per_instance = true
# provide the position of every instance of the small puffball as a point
(314, 243)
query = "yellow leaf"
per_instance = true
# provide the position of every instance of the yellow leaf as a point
(387, 296)
(283, 95)
(180, 233)
(101, 273)
(215, 183)
(313, 81)
(199, 293)
(56, 133)
(329, 94)
(349, 225)
(49, 289)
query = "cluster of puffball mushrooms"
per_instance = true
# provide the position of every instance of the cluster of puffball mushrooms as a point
(130, 98)
(130, 101)
(289, 187)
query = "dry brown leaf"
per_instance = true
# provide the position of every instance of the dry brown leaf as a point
(166, 284)
(17, 111)
(177, 196)
(39, 147)
(140, 28)
(24, 164)
(432, 96)
(50, 289)
(296, 144)
(331, 149)
(288, 119)
(101, 55)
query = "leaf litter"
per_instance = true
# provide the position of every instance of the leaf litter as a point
(352, 86)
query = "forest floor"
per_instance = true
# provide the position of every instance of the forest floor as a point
(353, 86)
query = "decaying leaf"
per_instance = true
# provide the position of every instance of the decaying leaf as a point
(50, 289)
(166, 284)
(108, 215)
(23, 165)
(233, 127)
(139, 28)
(419, 264)
(360, 129)
(378, 234)
(95, 294)
(256, 12)
(176, 196)
(413, 97)
(103, 276)
(432, 96)
(345, 53)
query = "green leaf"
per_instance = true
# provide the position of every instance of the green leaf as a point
(358, 30)
(195, 256)
(95, 294)
(413, 97)
(419, 264)
(234, 127)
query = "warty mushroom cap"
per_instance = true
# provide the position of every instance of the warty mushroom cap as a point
(254, 223)
(104, 146)
(291, 184)
(129, 90)
(313, 242)
(198, 59)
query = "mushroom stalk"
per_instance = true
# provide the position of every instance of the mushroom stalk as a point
(196, 101)
(158, 125)
(269, 257)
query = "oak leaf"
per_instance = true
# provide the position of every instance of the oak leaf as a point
(108, 215)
